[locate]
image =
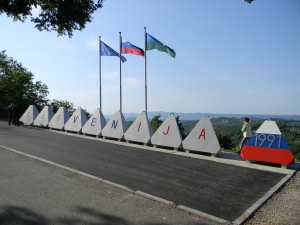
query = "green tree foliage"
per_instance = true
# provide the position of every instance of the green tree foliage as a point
(155, 123)
(87, 114)
(64, 17)
(17, 85)
(291, 135)
(129, 123)
(225, 141)
(181, 128)
(69, 106)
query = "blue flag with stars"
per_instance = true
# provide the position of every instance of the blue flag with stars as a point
(108, 51)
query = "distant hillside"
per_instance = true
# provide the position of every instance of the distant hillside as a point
(198, 116)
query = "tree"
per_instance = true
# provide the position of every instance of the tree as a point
(87, 114)
(69, 106)
(64, 17)
(225, 141)
(16, 85)
(155, 123)
(181, 128)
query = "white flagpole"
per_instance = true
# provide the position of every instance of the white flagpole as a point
(100, 73)
(145, 71)
(120, 73)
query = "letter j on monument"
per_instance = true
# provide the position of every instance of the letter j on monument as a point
(268, 145)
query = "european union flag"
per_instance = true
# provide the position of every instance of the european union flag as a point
(108, 51)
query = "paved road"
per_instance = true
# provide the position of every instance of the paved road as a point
(35, 193)
(222, 190)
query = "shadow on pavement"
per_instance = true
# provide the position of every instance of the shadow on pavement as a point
(12, 215)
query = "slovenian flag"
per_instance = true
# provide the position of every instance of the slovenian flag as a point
(128, 48)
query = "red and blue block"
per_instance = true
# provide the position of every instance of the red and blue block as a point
(270, 148)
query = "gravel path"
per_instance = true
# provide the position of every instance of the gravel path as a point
(283, 208)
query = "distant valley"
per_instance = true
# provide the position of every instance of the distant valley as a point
(198, 116)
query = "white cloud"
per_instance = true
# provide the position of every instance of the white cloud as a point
(131, 83)
(112, 76)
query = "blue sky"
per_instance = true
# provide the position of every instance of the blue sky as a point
(231, 57)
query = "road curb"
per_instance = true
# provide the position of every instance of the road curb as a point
(157, 199)
(259, 203)
(203, 215)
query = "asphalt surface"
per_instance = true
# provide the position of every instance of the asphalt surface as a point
(222, 190)
(35, 193)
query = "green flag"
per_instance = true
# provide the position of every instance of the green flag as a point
(153, 43)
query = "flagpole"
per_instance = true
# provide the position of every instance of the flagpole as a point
(145, 34)
(100, 74)
(120, 73)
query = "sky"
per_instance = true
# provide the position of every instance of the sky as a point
(231, 57)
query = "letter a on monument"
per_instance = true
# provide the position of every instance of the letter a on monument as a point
(30, 115)
(202, 138)
(42, 120)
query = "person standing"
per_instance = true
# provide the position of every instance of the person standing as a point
(16, 112)
(53, 107)
(247, 133)
(10, 113)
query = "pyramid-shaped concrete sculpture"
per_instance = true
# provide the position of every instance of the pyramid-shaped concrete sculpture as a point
(95, 124)
(76, 121)
(30, 115)
(168, 134)
(202, 138)
(115, 127)
(42, 120)
(140, 130)
(60, 118)
(268, 145)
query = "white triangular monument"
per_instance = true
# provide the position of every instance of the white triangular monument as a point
(42, 120)
(268, 127)
(60, 118)
(202, 138)
(168, 134)
(76, 121)
(95, 124)
(29, 116)
(115, 127)
(140, 130)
